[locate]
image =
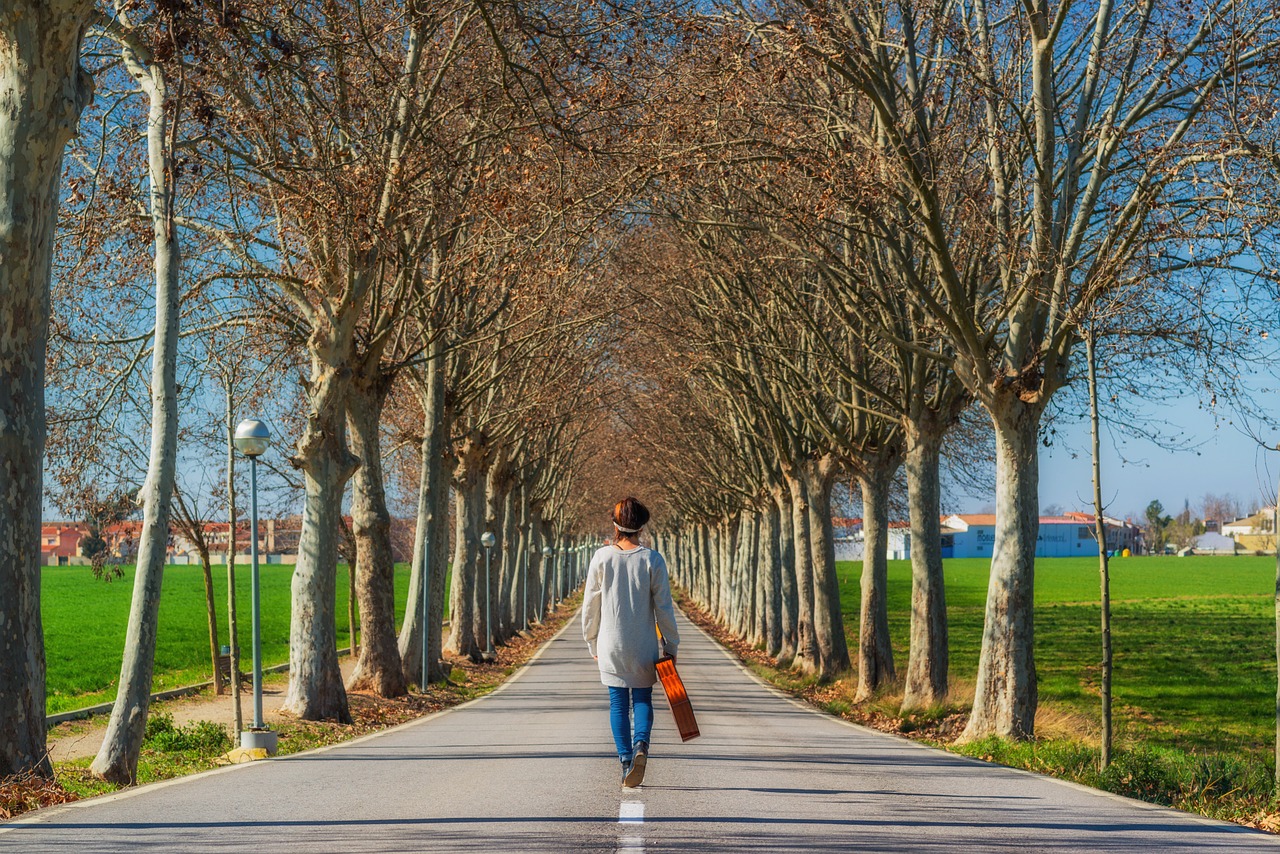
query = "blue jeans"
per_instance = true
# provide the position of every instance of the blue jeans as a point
(620, 702)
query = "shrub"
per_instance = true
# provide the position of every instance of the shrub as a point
(1144, 774)
(201, 737)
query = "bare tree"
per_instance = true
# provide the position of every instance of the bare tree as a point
(1092, 177)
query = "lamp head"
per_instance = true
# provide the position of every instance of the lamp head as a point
(252, 437)
(487, 539)
(546, 551)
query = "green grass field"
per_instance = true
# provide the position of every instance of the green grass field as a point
(85, 619)
(1194, 642)
(1193, 637)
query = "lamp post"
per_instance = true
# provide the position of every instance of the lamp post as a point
(547, 552)
(487, 539)
(524, 588)
(252, 439)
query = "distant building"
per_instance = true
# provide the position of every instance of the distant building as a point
(1211, 543)
(899, 540)
(974, 535)
(59, 542)
(1255, 533)
(849, 548)
(1121, 533)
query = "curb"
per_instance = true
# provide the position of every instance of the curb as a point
(103, 708)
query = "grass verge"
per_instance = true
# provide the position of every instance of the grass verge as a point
(85, 621)
(1234, 786)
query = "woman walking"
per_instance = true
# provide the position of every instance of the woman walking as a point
(627, 592)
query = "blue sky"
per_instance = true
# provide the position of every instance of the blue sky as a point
(1223, 459)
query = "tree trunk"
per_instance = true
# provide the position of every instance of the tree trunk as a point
(431, 525)
(353, 597)
(828, 617)
(233, 625)
(489, 586)
(875, 653)
(520, 589)
(1005, 700)
(117, 759)
(726, 544)
(770, 583)
(926, 682)
(789, 597)
(437, 670)
(315, 679)
(1100, 533)
(546, 566)
(465, 636)
(564, 566)
(212, 608)
(537, 573)
(749, 573)
(378, 668)
(505, 556)
(807, 656)
(42, 93)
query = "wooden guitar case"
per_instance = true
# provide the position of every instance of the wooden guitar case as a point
(678, 698)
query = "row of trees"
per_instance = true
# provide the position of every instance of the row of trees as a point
(525, 258)
(375, 224)
(892, 213)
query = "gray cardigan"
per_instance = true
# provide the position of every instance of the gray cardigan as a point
(627, 592)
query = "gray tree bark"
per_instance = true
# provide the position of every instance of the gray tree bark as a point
(537, 573)
(211, 615)
(378, 667)
(927, 661)
(1004, 703)
(770, 583)
(875, 653)
(789, 597)
(750, 575)
(437, 670)
(505, 556)
(315, 679)
(465, 635)
(828, 618)
(42, 93)
(807, 656)
(519, 557)
(489, 586)
(233, 625)
(431, 524)
(1100, 534)
(726, 545)
(117, 759)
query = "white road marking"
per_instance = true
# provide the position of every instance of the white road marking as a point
(631, 812)
(631, 845)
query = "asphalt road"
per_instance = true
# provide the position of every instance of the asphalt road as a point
(531, 768)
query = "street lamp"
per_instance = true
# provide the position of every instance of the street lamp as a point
(487, 539)
(252, 439)
(547, 552)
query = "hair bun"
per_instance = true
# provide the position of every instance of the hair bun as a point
(629, 516)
